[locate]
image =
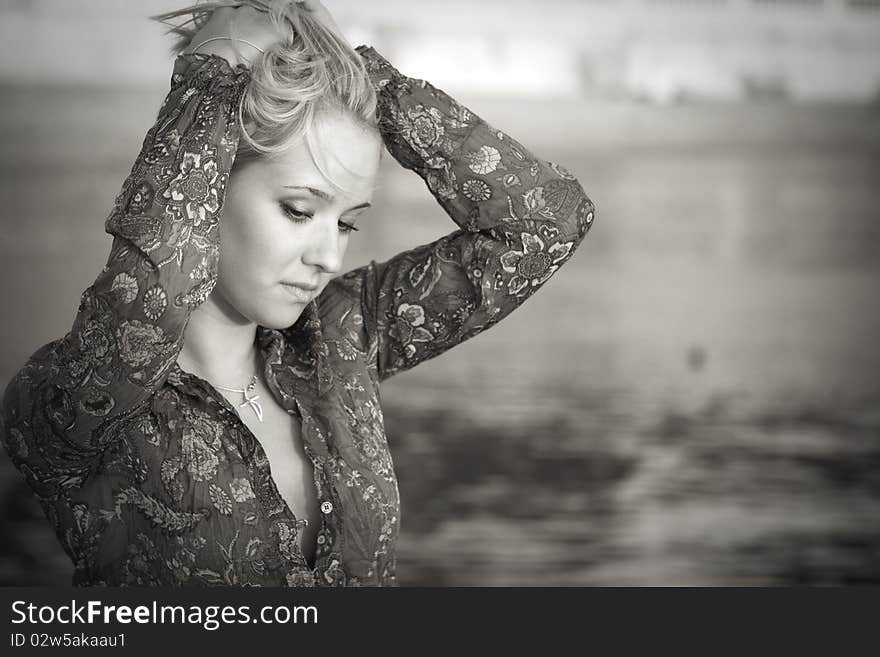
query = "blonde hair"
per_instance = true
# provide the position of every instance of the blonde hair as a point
(308, 70)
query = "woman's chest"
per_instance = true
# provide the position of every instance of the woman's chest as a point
(280, 436)
(210, 466)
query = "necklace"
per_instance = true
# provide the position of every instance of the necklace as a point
(248, 401)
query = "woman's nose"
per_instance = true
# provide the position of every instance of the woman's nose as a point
(324, 249)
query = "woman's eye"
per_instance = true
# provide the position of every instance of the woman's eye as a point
(301, 216)
(294, 213)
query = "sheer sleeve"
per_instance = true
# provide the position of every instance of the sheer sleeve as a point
(519, 220)
(162, 264)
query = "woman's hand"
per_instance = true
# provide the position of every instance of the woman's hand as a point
(320, 13)
(250, 23)
(243, 22)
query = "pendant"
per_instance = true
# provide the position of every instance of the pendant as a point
(252, 401)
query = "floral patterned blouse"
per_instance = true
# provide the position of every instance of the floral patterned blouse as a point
(146, 472)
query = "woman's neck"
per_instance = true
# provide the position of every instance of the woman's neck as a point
(218, 345)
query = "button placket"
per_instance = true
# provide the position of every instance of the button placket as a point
(329, 534)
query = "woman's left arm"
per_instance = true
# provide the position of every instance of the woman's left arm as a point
(520, 219)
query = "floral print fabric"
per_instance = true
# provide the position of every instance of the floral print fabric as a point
(146, 472)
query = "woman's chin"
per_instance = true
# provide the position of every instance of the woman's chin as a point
(272, 311)
(279, 320)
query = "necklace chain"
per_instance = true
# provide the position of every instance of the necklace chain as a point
(248, 401)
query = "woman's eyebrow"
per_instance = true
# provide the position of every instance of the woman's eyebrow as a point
(320, 193)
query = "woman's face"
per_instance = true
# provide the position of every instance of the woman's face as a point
(285, 225)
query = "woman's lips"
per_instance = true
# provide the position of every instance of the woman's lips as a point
(298, 293)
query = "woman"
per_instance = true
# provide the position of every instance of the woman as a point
(215, 420)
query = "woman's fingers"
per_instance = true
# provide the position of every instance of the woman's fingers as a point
(320, 13)
(245, 24)
(249, 24)
(211, 37)
(253, 25)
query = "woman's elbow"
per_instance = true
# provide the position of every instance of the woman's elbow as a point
(575, 210)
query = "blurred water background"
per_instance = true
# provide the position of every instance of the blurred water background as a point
(693, 399)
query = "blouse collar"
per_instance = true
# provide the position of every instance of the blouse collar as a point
(295, 358)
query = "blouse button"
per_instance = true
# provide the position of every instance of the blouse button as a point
(326, 507)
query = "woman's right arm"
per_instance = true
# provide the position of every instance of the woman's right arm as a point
(162, 264)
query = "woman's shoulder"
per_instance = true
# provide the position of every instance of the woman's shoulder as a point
(344, 293)
(339, 309)
(24, 394)
(34, 366)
